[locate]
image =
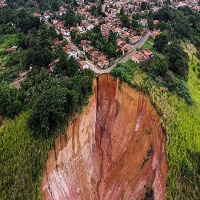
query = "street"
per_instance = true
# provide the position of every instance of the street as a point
(109, 69)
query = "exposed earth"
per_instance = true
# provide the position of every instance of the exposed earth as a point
(115, 149)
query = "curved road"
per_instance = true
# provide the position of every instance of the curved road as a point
(109, 69)
(127, 57)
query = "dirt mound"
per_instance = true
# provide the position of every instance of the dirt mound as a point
(114, 150)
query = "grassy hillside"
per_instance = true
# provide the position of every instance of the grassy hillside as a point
(22, 160)
(181, 125)
(9, 63)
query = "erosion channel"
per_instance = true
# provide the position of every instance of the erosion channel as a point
(113, 150)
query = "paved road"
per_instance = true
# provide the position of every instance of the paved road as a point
(108, 70)
(128, 57)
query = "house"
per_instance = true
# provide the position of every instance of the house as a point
(83, 43)
(89, 49)
(94, 56)
(155, 22)
(65, 32)
(155, 33)
(52, 66)
(72, 28)
(58, 43)
(120, 43)
(60, 25)
(135, 39)
(62, 11)
(3, 3)
(13, 48)
(47, 14)
(126, 48)
(138, 57)
(84, 64)
(118, 31)
(81, 29)
(89, 27)
(102, 62)
(147, 53)
(142, 55)
(143, 22)
(55, 21)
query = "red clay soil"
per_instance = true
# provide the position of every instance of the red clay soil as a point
(113, 150)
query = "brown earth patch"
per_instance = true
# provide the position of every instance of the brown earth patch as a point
(114, 149)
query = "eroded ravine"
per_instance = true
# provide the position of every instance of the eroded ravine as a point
(113, 150)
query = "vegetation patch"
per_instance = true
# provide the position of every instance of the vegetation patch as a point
(23, 157)
(149, 45)
(9, 63)
(181, 124)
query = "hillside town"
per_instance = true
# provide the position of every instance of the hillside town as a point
(108, 19)
(127, 20)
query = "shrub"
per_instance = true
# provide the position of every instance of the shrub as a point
(10, 101)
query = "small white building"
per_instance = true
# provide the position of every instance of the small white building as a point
(84, 64)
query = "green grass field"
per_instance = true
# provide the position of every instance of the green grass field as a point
(149, 44)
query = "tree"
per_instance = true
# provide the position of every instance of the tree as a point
(66, 66)
(122, 11)
(119, 53)
(52, 32)
(127, 39)
(150, 23)
(106, 8)
(135, 23)
(125, 20)
(60, 36)
(182, 27)
(55, 6)
(39, 57)
(111, 50)
(99, 8)
(112, 38)
(138, 31)
(75, 3)
(79, 18)
(161, 41)
(73, 34)
(165, 14)
(49, 111)
(82, 84)
(163, 26)
(179, 60)
(143, 6)
(70, 18)
(72, 67)
(10, 101)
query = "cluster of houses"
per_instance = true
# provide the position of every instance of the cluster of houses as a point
(111, 22)
(142, 55)
(127, 37)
